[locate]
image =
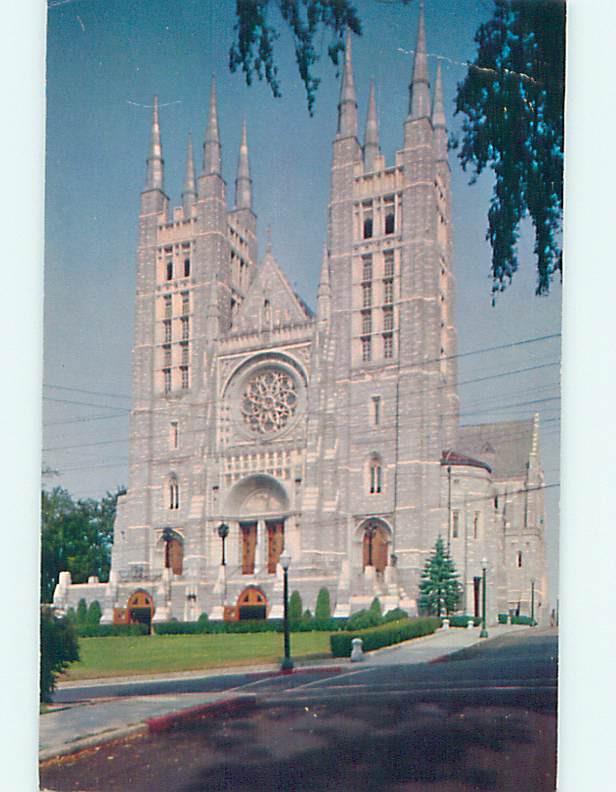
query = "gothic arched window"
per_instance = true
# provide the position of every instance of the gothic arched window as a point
(174, 493)
(376, 475)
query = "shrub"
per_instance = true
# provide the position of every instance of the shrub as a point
(395, 615)
(82, 612)
(110, 630)
(59, 648)
(295, 606)
(307, 615)
(364, 619)
(203, 618)
(94, 614)
(462, 620)
(375, 606)
(502, 619)
(323, 608)
(248, 626)
(383, 635)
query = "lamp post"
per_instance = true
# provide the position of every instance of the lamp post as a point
(287, 663)
(532, 602)
(484, 567)
(223, 532)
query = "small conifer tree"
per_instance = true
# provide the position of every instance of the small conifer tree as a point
(295, 606)
(375, 606)
(323, 608)
(439, 589)
(82, 613)
(94, 613)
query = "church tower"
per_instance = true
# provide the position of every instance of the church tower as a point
(391, 315)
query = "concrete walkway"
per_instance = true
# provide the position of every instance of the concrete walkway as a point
(75, 727)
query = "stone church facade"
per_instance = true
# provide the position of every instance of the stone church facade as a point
(334, 435)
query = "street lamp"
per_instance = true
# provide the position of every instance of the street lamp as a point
(532, 602)
(223, 532)
(287, 663)
(484, 567)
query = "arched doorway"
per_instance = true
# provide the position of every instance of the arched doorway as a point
(140, 608)
(260, 503)
(174, 551)
(375, 545)
(252, 604)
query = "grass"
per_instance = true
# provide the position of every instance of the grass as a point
(155, 654)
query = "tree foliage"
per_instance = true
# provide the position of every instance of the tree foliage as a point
(255, 34)
(295, 606)
(76, 536)
(439, 589)
(322, 608)
(59, 647)
(513, 98)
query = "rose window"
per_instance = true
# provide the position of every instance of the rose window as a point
(269, 401)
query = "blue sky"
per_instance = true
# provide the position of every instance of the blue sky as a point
(105, 61)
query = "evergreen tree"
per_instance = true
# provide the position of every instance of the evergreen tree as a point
(295, 606)
(82, 613)
(375, 606)
(323, 608)
(94, 614)
(439, 589)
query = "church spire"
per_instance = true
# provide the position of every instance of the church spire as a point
(324, 292)
(438, 118)
(371, 139)
(155, 162)
(243, 182)
(419, 89)
(189, 193)
(347, 106)
(211, 147)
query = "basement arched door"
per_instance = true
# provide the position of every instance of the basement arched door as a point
(375, 546)
(252, 604)
(140, 608)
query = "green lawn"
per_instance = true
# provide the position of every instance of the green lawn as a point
(154, 654)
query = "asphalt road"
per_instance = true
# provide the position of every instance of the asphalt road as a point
(483, 720)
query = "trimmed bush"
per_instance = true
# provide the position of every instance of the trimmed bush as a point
(94, 613)
(375, 606)
(82, 612)
(203, 618)
(364, 619)
(295, 606)
(462, 620)
(502, 619)
(383, 635)
(307, 615)
(59, 648)
(323, 608)
(110, 630)
(395, 615)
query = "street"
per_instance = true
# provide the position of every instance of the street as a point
(484, 719)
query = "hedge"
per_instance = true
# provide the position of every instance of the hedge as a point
(462, 620)
(503, 617)
(384, 635)
(248, 626)
(109, 630)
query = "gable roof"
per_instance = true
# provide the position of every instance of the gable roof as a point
(505, 446)
(285, 307)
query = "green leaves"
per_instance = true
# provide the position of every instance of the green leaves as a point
(253, 48)
(75, 536)
(439, 589)
(513, 100)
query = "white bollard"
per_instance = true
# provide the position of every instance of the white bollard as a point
(357, 652)
(445, 624)
(470, 624)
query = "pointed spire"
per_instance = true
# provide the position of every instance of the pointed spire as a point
(155, 162)
(189, 193)
(438, 117)
(371, 139)
(211, 147)
(347, 106)
(243, 182)
(268, 242)
(419, 89)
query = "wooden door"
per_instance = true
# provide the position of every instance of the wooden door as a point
(249, 546)
(174, 556)
(275, 543)
(140, 608)
(252, 604)
(379, 550)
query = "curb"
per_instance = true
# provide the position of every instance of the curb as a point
(92, 742)
(229, 706)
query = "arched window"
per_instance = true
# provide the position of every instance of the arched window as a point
(174, 493)
(376, 475)
(519, 558)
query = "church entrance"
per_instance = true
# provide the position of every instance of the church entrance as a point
(252, 604)
(140, 608)
(375, 546)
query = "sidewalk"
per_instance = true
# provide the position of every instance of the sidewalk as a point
(84, 725)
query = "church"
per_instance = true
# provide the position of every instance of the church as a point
(260, 426)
